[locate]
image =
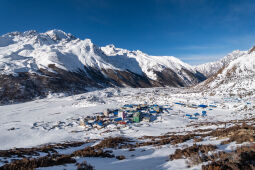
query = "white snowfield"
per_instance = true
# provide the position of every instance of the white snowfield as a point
(56, 119)
(30, 50)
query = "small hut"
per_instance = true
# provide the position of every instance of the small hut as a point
(157, 109)
(82, 123)
(106, 112)
(196, 114)
(121, 114)
(147, 118)
(137, 117)
(202, 106)
(204, 113)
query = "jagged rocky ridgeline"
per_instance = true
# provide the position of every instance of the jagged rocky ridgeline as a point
(35, 64)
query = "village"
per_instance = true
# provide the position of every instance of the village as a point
(114, 112)
(136, 113)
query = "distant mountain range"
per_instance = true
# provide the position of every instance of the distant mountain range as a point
(35, 64)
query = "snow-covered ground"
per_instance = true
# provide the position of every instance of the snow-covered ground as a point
(56, 120)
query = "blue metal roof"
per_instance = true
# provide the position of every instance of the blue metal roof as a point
(202, 105)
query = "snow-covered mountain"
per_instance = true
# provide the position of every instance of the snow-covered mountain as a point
(34, 64)
(235, 79)
(211, 68)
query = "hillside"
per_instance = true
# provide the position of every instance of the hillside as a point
(211, 68)
(235, 79)
(35, 64)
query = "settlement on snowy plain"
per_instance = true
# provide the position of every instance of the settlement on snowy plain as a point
(113, 112)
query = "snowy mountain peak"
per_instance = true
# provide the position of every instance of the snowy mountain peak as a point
(58, 35)
(58, 54)
(252, 49)
(32, 50)
(30, 33)
(110, 46)
(16, 34)
(235, 78)
(211, 68)
(49, 37)
(88, 42)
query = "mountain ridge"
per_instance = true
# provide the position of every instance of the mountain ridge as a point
(211, 68)
(234, 79)
(56, 61)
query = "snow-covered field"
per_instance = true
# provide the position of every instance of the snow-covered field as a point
(56, 119)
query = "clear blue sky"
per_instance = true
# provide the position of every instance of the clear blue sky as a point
(195, 31)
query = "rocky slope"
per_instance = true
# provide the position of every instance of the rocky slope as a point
(211, 68)
(35, 64)
(235, 79)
